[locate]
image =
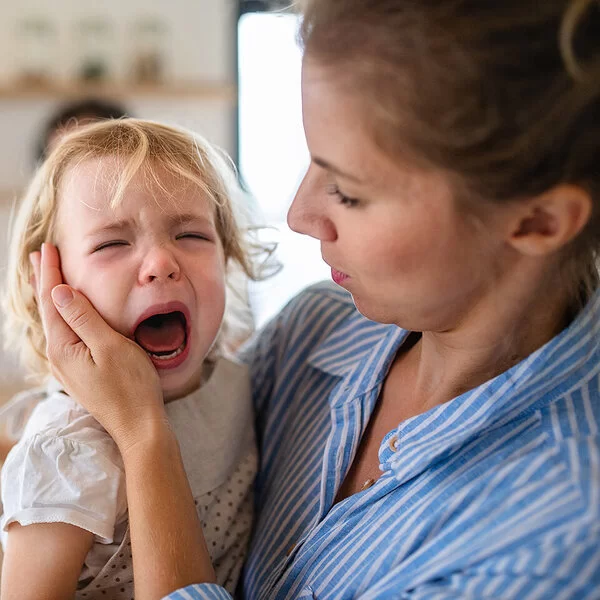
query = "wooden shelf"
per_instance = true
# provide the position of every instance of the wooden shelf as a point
(200, 91)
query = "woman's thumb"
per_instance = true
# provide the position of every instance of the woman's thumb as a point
(62, 296)
(79, 314)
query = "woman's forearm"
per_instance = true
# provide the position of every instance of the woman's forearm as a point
(168, 545)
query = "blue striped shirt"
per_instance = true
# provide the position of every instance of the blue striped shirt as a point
(495, 494)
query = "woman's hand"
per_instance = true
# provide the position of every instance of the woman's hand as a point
(114, 379)
(111, 376)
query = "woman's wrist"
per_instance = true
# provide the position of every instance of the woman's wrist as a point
(143, 436)
(169, 551)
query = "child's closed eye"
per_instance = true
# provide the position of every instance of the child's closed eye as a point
(110, 244)
(189, 235)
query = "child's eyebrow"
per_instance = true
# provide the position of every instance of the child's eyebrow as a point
(114, 227)
(173, 220)
(186, 218)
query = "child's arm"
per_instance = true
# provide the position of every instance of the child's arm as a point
(43, 561)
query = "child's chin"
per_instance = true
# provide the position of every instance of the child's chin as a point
(173, 390)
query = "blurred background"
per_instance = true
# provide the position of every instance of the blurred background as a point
(228, 69)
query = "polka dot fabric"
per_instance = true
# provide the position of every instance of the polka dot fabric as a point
(226, 516)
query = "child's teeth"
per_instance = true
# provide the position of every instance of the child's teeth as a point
(167, 356)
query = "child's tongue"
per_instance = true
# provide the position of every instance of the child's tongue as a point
(161, 333)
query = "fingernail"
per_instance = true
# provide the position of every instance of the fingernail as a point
(62, 295)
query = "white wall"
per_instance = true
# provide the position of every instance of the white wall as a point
(200, 49)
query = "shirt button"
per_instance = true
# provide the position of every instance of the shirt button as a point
(367, 484)
(393, 443)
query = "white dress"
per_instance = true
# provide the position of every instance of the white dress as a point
(67, 469)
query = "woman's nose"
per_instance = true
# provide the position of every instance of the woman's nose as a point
(308, 213)
(159, 263)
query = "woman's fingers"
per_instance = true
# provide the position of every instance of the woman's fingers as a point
(47, 276)
(106, 372)
(50, 274)
(87, 327)
(35, 259)
(111, 376)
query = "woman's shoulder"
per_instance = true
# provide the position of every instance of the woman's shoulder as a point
(307, 319)
(320, 306)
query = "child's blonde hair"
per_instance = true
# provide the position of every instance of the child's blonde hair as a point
(140, 146)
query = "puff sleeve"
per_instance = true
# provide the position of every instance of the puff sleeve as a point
(65, 469)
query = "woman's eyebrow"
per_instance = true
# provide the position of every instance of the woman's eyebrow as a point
(333, 169)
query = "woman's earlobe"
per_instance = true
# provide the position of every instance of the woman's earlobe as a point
(550, 221)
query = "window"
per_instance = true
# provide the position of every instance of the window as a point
(272, 151)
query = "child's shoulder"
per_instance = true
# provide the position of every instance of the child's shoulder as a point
(46, 410)
(15, 414)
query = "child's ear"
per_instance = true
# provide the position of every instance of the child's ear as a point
(546, 223)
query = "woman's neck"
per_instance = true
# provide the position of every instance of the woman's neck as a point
(501, 330)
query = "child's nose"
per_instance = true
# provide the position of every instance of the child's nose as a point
(159, 264)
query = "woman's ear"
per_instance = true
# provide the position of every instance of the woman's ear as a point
(546, 223)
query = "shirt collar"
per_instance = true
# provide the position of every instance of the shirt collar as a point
(360, 352)
(345, 348)
(564, 364)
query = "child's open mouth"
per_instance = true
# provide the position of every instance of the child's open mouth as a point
(164, 337)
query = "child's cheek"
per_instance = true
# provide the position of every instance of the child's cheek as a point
(109, 289)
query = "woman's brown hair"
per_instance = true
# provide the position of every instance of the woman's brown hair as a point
(504, 96)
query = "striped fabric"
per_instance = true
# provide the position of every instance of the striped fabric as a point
(495, 494)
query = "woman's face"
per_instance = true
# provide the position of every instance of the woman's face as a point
(393, 236)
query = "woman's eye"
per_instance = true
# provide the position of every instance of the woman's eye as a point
(111, 244)
(334, 190)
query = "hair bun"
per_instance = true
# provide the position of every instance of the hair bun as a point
(580, 39)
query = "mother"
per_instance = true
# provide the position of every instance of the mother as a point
(447, 444)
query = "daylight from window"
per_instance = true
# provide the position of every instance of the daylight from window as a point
(272, 150)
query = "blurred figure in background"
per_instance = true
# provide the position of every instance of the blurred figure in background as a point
(75, 114)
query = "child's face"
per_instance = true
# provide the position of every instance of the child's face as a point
(153, 255)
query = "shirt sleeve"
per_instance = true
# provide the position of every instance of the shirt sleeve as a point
(68, 471)
(203, 591)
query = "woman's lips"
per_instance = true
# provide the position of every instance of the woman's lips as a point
(338, 277)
